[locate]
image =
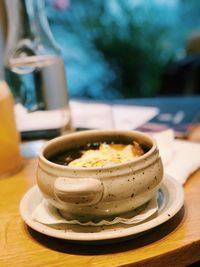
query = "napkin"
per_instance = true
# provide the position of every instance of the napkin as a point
(180, 158)
(49, 215)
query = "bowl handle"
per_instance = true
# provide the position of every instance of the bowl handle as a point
(82, 191)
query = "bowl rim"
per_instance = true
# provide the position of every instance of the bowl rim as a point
(84, 133)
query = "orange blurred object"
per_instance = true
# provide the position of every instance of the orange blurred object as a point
(10, 157)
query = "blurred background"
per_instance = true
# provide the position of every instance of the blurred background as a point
(128, 49)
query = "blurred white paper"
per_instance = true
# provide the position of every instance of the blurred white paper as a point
(131, 117)
(38, 120)
(105, 116)
(86, 115)
(91, 115)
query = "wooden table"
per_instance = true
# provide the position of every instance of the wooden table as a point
(174, 243)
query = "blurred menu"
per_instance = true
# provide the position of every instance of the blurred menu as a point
(110, 116)
(177, 113)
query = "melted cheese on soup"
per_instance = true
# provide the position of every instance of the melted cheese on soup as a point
(107, 154)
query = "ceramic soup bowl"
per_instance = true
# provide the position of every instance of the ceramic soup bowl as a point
(98, 192)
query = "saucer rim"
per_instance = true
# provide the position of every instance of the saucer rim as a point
(173, 194)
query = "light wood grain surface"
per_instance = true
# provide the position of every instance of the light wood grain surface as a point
(174, 243)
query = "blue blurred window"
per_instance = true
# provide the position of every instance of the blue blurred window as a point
(121, 48)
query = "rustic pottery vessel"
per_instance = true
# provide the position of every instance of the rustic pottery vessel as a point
(99, 192)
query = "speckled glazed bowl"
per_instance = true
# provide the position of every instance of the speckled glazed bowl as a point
(98, 192)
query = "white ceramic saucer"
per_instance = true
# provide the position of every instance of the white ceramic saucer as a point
(171, 199)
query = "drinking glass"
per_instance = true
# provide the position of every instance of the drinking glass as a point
(35, 70)
(10, 157)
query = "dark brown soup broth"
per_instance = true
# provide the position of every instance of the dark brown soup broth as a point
(65, 157)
